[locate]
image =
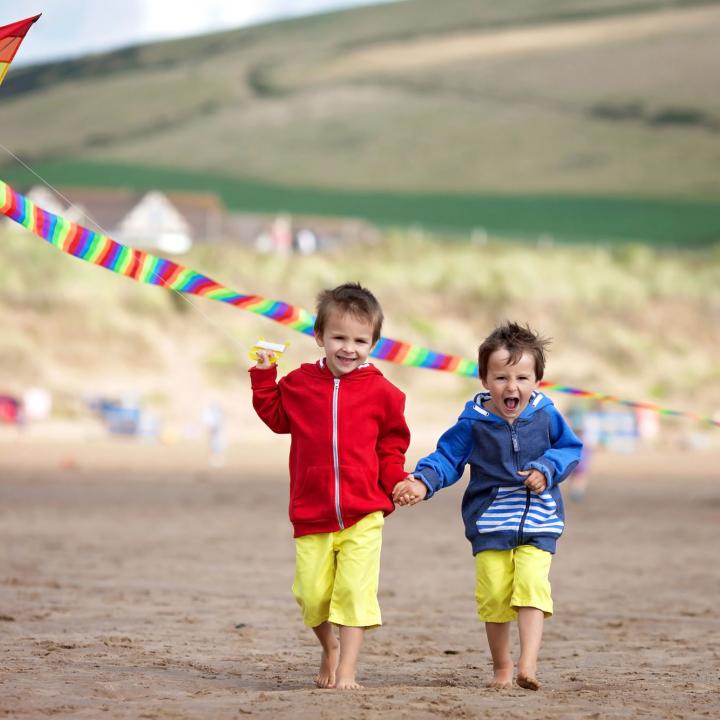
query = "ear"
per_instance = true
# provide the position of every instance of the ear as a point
(319, 340)
(484, 383)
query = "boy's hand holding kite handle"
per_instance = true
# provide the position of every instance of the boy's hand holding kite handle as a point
(265, 359)
(266, 354)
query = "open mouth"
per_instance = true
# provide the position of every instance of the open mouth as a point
(511, 403)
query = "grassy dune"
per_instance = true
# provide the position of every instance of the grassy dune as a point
(631, 321)
(602, 130)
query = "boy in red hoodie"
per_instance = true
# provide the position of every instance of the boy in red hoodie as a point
(348, 439)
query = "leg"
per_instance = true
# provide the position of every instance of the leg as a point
(314, 574)
(498, 635)
(493, 590)
(329, 658)
(533, 601)
(354, 605)
(530, 624)
(351, 639)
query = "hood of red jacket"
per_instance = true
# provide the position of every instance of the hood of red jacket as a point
(320, 370)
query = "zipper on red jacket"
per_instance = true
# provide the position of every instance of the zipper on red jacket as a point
(336, 460)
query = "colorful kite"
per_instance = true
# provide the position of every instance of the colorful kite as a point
(10, 38)
(138, 265)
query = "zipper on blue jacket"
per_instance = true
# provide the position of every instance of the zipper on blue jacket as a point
(336, 460)
(516, 454)
(515, 445)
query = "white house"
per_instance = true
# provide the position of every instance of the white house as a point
(155, 223)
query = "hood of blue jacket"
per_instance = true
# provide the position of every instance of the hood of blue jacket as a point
(474, 410)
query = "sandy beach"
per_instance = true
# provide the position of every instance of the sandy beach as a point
(137, 582)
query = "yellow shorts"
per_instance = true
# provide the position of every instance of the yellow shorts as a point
(337, 574)
(510, 579)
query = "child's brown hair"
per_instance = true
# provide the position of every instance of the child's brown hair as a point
(516, 339)
(349, 298)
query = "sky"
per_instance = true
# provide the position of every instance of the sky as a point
(70, 28)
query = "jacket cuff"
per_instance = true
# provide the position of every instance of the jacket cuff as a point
(418, 475)
(544, 469)
(263, 378)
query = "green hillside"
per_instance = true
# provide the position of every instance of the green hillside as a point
(580, 120)
(676, 224)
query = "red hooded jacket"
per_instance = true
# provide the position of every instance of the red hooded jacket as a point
(348, 439)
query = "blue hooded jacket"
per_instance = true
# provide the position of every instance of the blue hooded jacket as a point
(499, 512)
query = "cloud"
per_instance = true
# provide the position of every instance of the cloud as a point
(74, 27)
(69, 28)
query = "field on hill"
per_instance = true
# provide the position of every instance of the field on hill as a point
(450, 115)
(569, 219)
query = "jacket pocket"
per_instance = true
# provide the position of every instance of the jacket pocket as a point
(543, 517)
(312, 495)
(360, 493)
(505, 512)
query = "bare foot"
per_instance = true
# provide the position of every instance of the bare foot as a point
(346, 678)
(502, 678)
(348, 684)
(328, 663)
(528, 681)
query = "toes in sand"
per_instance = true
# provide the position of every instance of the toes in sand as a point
(528, 682)
(498, 685)
(502, 678)
(349, 684)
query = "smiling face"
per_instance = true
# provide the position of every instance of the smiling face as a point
(347, 340)
(510, 386)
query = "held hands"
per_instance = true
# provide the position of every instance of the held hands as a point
(409, 491)
(534, 480)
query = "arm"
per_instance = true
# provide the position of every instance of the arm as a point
(392, 445)
(266, 397)
(446, 465)
(557, 462)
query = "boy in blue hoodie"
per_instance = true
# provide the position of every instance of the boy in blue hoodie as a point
(519, 449)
